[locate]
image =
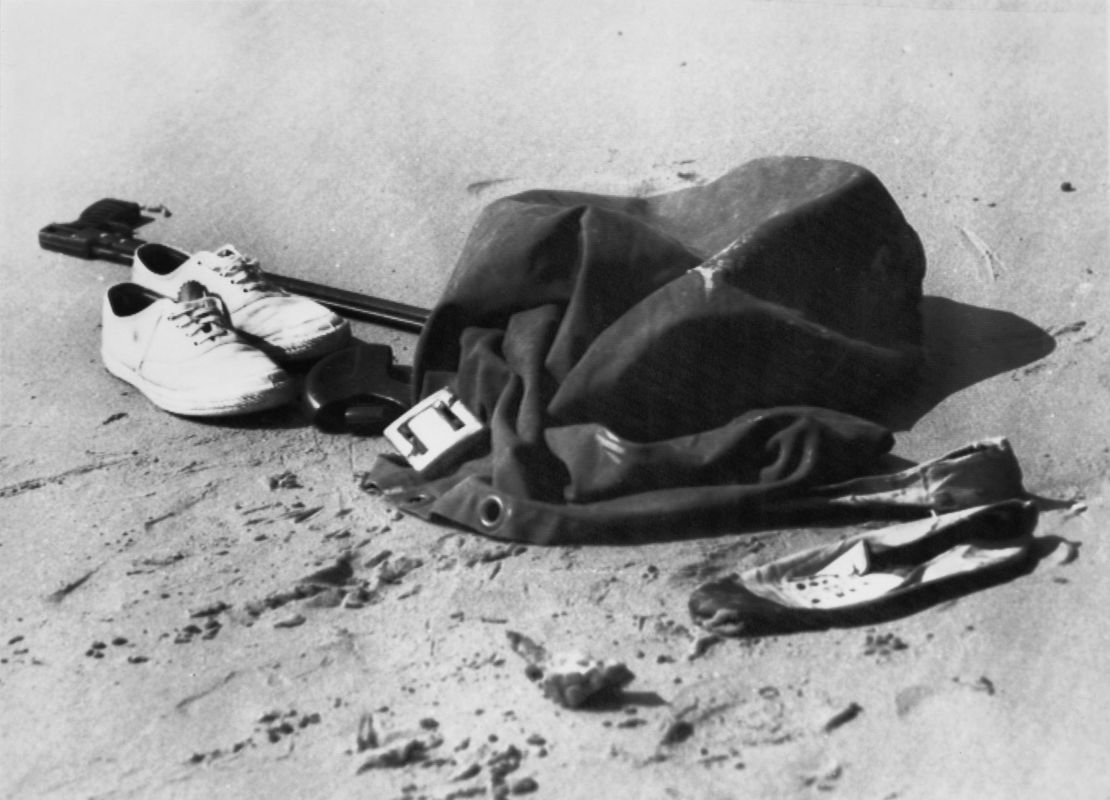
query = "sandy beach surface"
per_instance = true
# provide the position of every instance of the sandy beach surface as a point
(153, 643)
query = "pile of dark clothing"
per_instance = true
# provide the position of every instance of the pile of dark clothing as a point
(696, 361)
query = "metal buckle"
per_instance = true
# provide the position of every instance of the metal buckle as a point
(436, 427)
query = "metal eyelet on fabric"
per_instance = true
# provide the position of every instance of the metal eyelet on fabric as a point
(491, 512)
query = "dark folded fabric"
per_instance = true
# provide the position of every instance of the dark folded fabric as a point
(673, 360)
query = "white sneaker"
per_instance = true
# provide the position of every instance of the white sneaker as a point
(183, 357)
(283, 325)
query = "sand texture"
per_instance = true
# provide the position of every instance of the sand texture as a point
(165, 631)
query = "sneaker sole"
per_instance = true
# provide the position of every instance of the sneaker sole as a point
(969, 547)
(198, 404)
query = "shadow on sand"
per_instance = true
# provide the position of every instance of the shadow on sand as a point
(965, 344)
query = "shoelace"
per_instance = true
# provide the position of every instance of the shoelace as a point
(243, 271)
(203, 320)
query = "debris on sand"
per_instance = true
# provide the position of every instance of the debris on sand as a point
(397, 754)
(528, 649)
(326, 598)
(981, 684)
(211, 630)
(497, 766)
(61, 594)
(299, 512)
(505, 761)
(210, 610)
(467, 772)
(396, 750)
(985, 684)
(676, 732)
(393, 571)
(284, 480)
(524, 785)
(842, 717)
(570, 679)
(493, 554)
(377, 558)
(336, 574)
(367, 737)
(824, 777)
(276, 724)
(333, 586)
(883, 644)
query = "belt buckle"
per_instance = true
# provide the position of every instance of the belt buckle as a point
(433, 429)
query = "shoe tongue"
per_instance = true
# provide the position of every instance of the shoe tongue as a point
(191, 290)
(193, 296)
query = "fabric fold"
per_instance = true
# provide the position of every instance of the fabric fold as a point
(681, 361)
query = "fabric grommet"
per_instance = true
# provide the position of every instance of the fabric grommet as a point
(491, 511)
